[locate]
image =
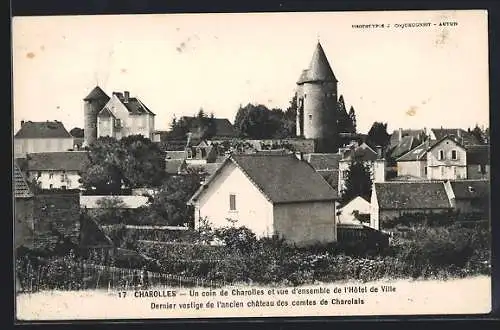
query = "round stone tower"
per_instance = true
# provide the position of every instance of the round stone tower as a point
(92, 104)
(317, 100)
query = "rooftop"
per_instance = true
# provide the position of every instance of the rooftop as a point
(44, 129)
(319, 68)
(57, 161)
(412, 195)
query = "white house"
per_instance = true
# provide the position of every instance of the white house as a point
(271, 194)
(56, 170)
(124, 115)
(446, 160)
(352, 211)
(45, 136)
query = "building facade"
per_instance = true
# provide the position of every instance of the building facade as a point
(254, 191)
(446, 160)
(317, 100)
(47, 136)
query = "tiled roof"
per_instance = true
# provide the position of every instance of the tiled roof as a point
(360, 153)
(319, 68)
(412, 195)
(478, 154)
(223, 127)
(44, 129)
(332, 177)
(435, 143)
(97, 94)
(21, 188)
(209, 168)
(133, 105)
(465, 138)
(394, 140)
(323, 161)
(57, 161)
(406, 144)
(417, 153)
(470, 189)
(281, 178)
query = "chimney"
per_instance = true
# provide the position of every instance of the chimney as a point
(126, 96)
(459, 133)
(400, 134)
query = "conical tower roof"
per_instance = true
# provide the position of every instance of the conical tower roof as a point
(97, 94)
(319, 68)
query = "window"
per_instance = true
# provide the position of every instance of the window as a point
(51, 175)
(190, 154)
(441, 155)
(310, 117)
(454, 168)
(454, 154)
(51, 186)
(39, 174)
(203, 153)
(482, 169)
(63, 187)
(232, 202)
(425, 170)
(442, 171)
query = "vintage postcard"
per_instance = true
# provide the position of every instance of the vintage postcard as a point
(186, 166)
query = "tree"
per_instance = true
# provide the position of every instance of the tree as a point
(103, 171)
(258, 122)
(132, 162)
(378, 136)
(478, 133)
(358, 182)
(110, 210)
(352, 117)
(76, 132)
(144, 163)
(169, 206)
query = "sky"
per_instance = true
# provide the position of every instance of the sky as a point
(409, 77)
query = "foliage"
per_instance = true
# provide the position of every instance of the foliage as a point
(358, 182)
(169, 206)
(478, 133)
(259, 122)
(132, 162)
(200, 124)
(378, 136)
(76, 132)
(346, 122)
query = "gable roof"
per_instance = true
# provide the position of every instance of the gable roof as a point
(331, 177)
(470, 189)
(298, 183)
(411, 195)
(223, 127)
(394, 139)
(435, 143)
(57, 161)
(406, 144)
(21, 188)
(106, 112)
(323, 161)
(360, 153)
(478, 154)
(319, 68)
(133, 105)
(461, 135)
(42, 130)
(415, 154)
(97, 94)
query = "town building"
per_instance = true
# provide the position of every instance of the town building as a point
(46, 136)
(326, 164)
(470, 196)
(317, 101)
(117, 116)
(446, 160)
(478, 162)
(390, 200)
(413, 164)
(255, 191)
(363, 153)
(56, 170)
(356, 211)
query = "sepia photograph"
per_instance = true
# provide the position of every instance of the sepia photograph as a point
(286, 164)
